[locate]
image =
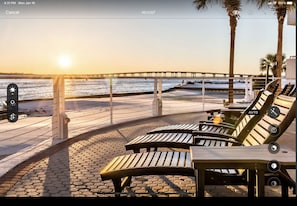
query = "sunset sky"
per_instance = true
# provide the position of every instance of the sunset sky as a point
(105, 36)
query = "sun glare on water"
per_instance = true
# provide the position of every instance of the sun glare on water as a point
(64, 61)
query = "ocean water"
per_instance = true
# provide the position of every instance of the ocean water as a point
(34, 89)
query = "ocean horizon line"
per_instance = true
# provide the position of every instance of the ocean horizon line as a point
(49, 75)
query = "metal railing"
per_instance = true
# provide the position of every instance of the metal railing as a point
(66, 106)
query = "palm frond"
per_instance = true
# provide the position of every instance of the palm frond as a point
(262, 3)
(270, 62)
(200, 4)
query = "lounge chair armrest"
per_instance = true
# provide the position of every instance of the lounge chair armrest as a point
(213, 111)
(226, 126)
(206, 134)
(211, 122)
(232, 110)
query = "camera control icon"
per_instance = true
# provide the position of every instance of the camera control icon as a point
(12, 117)
(274, 130)
(273, 147)
(274, 181)
(12, 90)
(12, 102)
(274, 112)
(273, 166)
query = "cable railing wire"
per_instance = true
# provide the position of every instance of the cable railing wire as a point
(88, 120)
(125, 105)
(28, 125)
(27, 132)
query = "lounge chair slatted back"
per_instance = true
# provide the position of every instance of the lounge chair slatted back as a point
(249, 120)
(272, 86)
(287, 89)
(261, 133)
(293, 92)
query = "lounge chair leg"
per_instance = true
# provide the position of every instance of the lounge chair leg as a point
(200, 182)
(117, 186)
(126, 182)
(196, 181)
(286, 182)
(251, 183)
(285, 190)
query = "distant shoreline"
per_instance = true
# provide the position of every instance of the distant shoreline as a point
(177, 87)
(100, 95)
(43, 106)
(218, 90)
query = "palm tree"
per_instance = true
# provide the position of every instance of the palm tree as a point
(270, 63)
(232, 8)
(280, 7)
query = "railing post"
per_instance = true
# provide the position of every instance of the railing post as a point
(203, 93)
(110, 100)
(160, 97)
(160, 89)
(252, 94)
(157, 102)
(248, 89)
(59, 119)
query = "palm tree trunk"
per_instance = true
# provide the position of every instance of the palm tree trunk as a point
(281, 13)
(233, 23)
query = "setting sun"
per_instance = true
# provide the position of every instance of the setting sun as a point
(64, 61)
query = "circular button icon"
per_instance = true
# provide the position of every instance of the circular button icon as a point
(12, 89)
(273, 112)
(274, 130)
(274, 181)
(273, 166)
(12, 117)
(12, 102)
(273, 147)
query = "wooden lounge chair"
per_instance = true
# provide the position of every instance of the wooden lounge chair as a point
(258, 104)
(184, 139)
(234, 110)
(122, 168)
(237, 112)
(272, 86)
(293, 92)
(288, 88)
